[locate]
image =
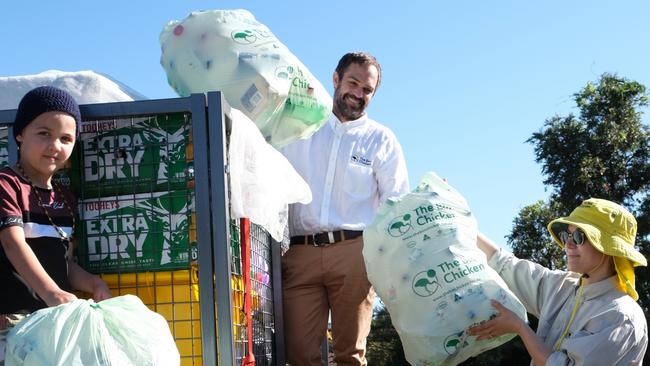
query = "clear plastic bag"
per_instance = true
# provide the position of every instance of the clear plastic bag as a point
(230, 51)
(120, 331)
(262, 181)
(421, 257)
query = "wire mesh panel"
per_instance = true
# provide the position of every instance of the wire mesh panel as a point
(263, 325)
(263, 320)
(4, 147)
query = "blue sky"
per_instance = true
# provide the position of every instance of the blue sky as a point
(465, 83)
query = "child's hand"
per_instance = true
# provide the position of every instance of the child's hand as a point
(101, 290)
(58, 297)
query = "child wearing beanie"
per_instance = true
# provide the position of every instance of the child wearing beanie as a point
(37, 216)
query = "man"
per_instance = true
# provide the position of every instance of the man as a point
(352, 165)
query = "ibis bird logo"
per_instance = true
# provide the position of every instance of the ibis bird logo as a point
(425, 283)
(400, 226)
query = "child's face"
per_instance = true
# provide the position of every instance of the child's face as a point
(46, 144)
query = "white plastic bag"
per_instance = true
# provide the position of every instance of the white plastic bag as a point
(421, 257)
(120, 331)
(230, 51)
(262, 181)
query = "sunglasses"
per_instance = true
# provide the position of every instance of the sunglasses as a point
(577, 236)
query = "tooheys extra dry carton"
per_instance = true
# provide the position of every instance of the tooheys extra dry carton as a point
(134, 155)
(4, 147)
(141, 232)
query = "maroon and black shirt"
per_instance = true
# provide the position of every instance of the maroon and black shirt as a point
(19, 206)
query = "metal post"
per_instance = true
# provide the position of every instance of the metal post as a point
(204, 232)
(220, 227)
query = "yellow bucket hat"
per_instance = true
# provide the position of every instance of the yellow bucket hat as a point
(611, 229)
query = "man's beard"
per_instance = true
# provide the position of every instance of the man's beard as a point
(346, 110)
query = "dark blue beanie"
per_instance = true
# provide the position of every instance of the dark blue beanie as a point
(44, 99)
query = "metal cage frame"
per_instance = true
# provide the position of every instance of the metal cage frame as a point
(210, 126)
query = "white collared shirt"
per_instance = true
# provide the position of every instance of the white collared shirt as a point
(351, 168)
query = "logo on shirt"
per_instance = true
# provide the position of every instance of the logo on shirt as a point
(55, 205)
(358, 159)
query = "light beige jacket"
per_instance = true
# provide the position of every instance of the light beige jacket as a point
(609, 327)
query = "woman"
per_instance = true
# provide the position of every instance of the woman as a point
(587, 315)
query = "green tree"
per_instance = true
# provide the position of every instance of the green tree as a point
(602, 152)
(384, 345)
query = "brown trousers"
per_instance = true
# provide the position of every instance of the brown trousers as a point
(315, 280)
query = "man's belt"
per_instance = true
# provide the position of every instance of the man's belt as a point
(326, 238)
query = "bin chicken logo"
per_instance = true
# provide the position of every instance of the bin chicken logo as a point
(400, 226)
(455, 343)
(425, 283)
(243, 36)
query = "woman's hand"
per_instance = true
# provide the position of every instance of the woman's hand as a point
(505, 322)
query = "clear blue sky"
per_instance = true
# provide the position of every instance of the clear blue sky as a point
(465, 83)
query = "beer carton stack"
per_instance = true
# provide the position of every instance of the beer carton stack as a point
(4, 147)
(134, 180)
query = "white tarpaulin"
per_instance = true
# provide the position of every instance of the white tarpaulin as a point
(84, 86)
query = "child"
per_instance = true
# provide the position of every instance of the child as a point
(37, 216)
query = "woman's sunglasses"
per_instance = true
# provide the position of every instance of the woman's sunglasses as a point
(578, 237)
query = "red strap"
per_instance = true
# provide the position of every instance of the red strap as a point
(249, 359)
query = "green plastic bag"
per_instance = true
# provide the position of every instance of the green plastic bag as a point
(118, 331)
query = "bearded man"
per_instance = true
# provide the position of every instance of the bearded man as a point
(352, 164)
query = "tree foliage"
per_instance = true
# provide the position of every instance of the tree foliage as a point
(529, 231)
(384, 345)
(602, 152)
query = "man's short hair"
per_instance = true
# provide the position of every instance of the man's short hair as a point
(361, 58)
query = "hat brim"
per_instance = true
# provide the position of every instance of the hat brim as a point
(616, 248)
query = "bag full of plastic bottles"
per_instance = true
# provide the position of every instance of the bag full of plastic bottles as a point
(230, 51)
(422, 259)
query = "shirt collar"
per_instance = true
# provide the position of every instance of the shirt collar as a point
(599, 288)
(337, 125)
